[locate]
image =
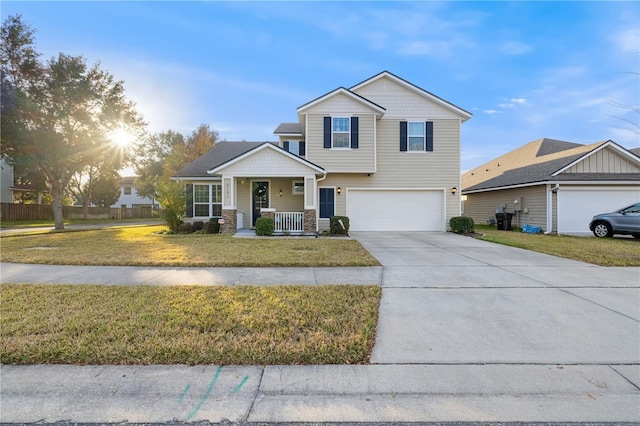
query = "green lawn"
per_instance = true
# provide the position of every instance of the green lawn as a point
(89, 324)
(140, 246)
(598, 251)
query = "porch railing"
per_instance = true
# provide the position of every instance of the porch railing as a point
(292, 222)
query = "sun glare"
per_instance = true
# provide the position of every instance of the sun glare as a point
(121, 138)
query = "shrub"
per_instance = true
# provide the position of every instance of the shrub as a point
(197, 225)
(461, 224)
(185, 228)
(336, 228)
(172, 198)
(199, 232)
(264, 226)
(211, 227)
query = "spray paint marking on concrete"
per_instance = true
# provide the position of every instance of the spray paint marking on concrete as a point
(244, 380)
(184, 392)
(204, 398)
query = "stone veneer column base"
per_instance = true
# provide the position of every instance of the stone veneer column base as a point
(310, 221)
(230, 219)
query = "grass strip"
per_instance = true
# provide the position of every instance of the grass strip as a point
(597, 251)
(140, 246)
(89, 324)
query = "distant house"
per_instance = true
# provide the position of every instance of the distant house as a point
(129, 198)
(385, 153)
(556, 185)
(6, 182)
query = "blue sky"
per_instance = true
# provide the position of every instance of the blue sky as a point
(524, 69)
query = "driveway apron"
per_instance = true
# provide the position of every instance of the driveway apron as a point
(450, 299)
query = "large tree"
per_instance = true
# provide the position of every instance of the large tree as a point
(161, 155)
(58, 116)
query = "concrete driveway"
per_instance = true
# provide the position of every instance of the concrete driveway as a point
(450, 299)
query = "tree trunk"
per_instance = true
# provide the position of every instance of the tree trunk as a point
(57, 192)
(85, 206)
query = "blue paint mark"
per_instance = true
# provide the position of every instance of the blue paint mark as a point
(204, 398)
(184, 392)
(244, 380)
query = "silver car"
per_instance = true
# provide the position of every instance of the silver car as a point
(625, 221)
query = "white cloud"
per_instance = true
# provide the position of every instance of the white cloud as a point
(515, 48)
(490, 111)
(628, 40)
(518, 100)
(506, 106)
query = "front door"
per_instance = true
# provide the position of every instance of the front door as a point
(259, 198)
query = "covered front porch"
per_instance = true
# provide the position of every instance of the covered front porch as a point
(269, 182)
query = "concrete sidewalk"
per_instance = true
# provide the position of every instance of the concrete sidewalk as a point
(339, 393)
(135, 275)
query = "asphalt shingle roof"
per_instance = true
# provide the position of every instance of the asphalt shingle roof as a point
(536, 162)
(288, 129)
(221, 153)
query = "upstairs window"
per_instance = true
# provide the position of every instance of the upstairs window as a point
(341, 132)
(416, 136)
(294, 147)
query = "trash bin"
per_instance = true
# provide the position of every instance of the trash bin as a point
(504, 221)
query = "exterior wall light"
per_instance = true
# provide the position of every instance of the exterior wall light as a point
(454, 190)
(339, 190)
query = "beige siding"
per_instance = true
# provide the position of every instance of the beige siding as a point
(243, 200)
(402, 103)
(481, 206)
(604, 161)
(341, 160)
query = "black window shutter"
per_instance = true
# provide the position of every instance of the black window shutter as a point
(429, 135)
(403, 136)
(301, 149)
(354, 132)
(189, 190)
(285, 145)
(327, 132)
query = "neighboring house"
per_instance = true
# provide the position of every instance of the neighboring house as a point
(6, 182)
(385, 153)
(558, 186)
(129, 197)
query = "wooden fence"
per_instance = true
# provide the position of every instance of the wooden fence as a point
(17, 212)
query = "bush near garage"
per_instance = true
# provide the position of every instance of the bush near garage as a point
(461, 225)
(335, 227)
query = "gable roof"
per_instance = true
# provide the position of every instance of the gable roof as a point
(221, 153)
(262, 147)
(465, 115)
(226, 153)
(540, 161)
(342, 91)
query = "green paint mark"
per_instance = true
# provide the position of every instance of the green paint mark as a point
(184, 392)
(244, 380)
(204, 398)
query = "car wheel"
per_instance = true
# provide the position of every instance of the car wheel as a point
(602, 229)
(636, 236)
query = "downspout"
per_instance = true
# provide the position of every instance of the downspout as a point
(550, 192)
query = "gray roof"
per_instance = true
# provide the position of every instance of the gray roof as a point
(288, 129)
(636, 151)
(526, 166)
(221, 153)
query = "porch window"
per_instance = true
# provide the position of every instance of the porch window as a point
(207, 200)
(341, 132)
(327, 203)
(297, 187)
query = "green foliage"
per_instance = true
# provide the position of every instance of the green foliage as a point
(161, 155)
(211, 227)
(56, 116)
(197, 225)
(461, 224)
(264, 226)
(106, 190)
(335, 227)
(172, 198)
(185, 228)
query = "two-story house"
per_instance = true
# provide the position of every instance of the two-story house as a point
(385, 153)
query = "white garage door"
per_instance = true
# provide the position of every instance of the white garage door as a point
(576, 206)
(395, 210)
